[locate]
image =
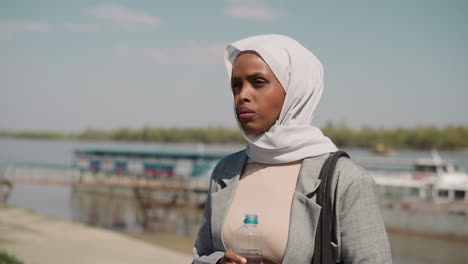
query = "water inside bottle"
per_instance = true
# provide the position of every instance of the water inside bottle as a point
(253, 256)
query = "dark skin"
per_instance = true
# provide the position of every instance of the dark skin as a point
(232, 257)
(254, 86)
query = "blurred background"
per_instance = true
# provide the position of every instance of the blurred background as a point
(113, 113)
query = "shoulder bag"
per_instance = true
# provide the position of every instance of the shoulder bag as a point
(322, 250)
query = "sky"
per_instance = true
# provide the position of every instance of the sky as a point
(72, 65)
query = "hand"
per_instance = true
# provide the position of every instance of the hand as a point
(231, 257)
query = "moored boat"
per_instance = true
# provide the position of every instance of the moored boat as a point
(430, 200)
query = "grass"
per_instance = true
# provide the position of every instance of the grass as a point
(7, 258)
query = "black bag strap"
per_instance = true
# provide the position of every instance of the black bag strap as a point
(322, 250)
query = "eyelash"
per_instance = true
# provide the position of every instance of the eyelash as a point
(235, 85)
(260, 81)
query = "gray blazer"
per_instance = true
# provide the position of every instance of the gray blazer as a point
(358, 232)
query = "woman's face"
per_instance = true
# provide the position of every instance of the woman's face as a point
(258, 95)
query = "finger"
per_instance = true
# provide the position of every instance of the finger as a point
(230, 254)
(225, 260)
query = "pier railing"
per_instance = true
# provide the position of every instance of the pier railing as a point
(52, 174)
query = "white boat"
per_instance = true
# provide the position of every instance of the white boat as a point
(429, 200)
(433, 179)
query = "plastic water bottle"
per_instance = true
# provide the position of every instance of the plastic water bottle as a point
(247, 240)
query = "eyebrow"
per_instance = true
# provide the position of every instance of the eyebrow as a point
(250, 76)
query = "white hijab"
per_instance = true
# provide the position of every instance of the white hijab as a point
(300, 73)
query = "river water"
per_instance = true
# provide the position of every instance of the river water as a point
(118, 213)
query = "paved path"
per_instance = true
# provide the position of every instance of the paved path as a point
(38, 239)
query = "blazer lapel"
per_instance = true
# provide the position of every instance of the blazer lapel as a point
(305, 213)
(227, 180)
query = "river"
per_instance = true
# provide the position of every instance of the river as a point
(122, 214)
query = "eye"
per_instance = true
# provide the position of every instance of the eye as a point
(235, 86)
(260, 82)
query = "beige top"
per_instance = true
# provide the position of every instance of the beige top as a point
(266, 190)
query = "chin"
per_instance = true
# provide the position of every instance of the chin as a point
(253, 131)
(248, 130)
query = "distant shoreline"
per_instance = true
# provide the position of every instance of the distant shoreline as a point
(453, 138)
(460, 150)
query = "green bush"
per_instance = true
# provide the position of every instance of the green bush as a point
(6, 258)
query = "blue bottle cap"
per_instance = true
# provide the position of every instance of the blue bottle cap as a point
(251, 219)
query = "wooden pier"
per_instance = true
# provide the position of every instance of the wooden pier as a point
(152, 198)
(62, 176)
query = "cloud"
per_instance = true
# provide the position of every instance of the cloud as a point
(122, 14)
(192, 54)
(74, 27)
(252, 10)
(16, 26)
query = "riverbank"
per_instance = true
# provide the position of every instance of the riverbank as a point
(37, 239)
(421, 137)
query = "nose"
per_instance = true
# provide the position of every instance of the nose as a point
(245, 94)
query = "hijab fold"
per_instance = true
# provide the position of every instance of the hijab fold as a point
(292, 137)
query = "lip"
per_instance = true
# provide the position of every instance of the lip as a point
(245, 113)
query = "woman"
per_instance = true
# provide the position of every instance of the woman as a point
(276, 85)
